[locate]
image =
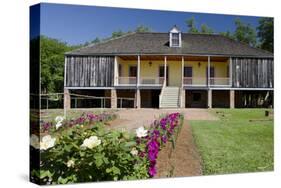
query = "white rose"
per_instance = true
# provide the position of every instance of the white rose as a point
(70, 163)
(58, 125)
(34, 141)
(134, 151)
(59, 119)
(141, 132)
(91, 142)
(47, 142)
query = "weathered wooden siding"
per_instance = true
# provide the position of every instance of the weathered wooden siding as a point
(89, 71)
(252, 73)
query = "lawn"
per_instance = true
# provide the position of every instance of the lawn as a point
(234, 144)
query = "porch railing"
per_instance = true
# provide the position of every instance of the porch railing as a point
(151, 80)
(202, 81)
(220, 81)
(127, 80)
(195, 81)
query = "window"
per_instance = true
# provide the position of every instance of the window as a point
(187, 71)
(175, 39)
(120, 70)
(133, 71)
(161, 71)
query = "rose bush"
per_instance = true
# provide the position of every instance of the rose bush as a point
(86, 151)
(94, 154)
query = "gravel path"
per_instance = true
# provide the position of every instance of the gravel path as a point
(131, 119)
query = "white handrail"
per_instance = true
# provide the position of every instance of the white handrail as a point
(161, 93)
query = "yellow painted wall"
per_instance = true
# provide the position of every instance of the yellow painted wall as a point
(174, 73)
(220, 68)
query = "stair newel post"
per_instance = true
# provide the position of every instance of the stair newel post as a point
(182, 71)
(165, 70)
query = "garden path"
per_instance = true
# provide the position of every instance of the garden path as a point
(131, 119)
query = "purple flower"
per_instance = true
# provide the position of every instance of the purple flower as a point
(91, 116)
(163, 123)
(164, 139)
(152, 171)
(156, 133)
(153, 147)
(141, 154)
(80, 120)
(46, 126)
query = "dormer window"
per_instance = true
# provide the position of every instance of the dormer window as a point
(175, 37)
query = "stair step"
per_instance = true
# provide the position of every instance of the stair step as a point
(170, 97)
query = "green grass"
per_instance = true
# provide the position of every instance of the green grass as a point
(234, 144)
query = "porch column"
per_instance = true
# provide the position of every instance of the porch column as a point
(137, 99)
(208, 78)
(113, 99)
(66, 99)
(182, 71)
(116, 73)
(138, 74)
(232, 99)
(165, 70)
(209, 98)
(230, 72)
(182, 98)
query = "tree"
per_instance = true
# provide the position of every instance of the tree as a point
(191, 25)
(265, 33)
(227, 34)
(206, 29)
(245, 33)
(52, 64)
(118, 33)
(96, 40)
(142, 28)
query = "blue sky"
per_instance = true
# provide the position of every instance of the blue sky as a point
(77, 24)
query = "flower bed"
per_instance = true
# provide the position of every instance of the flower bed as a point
(98, 154)
(161, 131)
(86, 119)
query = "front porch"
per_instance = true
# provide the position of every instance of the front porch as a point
(178, 71)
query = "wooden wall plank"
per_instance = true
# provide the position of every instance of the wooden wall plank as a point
(89, 71)
(252, 73)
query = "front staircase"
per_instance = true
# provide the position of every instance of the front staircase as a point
(170, 98)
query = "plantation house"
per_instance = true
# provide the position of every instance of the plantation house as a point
(171, 70)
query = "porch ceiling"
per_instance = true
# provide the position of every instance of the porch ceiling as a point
(174, 58)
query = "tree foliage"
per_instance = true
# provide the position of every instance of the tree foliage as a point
(265, 33)
(142, 28)
(52, 64)
(191, 25)
(227, 34)
(245, 33)
(206, 29)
